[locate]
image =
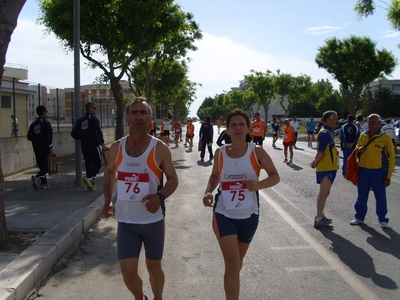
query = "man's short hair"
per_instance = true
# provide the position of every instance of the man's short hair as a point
(137, 100)
(89, 105)
(328, 115)
(350, 118)
(40, 110)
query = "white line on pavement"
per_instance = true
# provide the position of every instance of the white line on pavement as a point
(336, 265)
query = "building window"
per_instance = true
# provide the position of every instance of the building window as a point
(5, 101)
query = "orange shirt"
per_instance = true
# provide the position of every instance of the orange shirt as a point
(289, 134)
(152, 125)
(190, 129)
(258, 128)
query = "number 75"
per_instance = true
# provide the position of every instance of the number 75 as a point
(239, 194)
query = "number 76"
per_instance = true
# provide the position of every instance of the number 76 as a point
(135, 188)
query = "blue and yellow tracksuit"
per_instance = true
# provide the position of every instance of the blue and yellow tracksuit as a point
(376, 163)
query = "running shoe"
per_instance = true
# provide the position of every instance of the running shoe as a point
(89, 184)
(322, 224)
(290, 162)
(35, 183)
(285, 160)
(45, 186)
(327, 220)
(384, 225)
(356, 222)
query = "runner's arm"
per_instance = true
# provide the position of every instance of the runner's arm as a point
(109, 180)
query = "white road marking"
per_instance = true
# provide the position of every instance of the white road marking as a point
(332, 261)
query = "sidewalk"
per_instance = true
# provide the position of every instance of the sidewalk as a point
(62, 213)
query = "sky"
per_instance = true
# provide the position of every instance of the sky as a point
(238, 36)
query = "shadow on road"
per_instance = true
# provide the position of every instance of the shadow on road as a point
(382, 243)
(358, 260)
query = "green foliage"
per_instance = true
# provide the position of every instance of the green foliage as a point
(291, 90)
(205, 108)
(262, 88)
(365, 8)
(114, 33)
(355, 63)
(382, 101)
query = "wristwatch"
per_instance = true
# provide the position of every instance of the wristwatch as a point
(162, 197)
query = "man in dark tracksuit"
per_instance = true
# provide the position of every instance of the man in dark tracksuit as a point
(87, 130)
(349, 134)
(40, 134)
(206, 137)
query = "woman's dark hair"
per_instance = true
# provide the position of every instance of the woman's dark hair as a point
(239, 112)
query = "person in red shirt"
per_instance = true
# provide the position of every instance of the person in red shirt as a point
(177, 131)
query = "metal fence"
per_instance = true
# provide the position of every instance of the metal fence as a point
(20, 100)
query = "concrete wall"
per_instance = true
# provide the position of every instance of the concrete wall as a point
(17, 153)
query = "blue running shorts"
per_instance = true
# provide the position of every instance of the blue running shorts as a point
(243, 228)
(331, 175)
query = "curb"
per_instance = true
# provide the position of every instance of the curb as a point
(27, 270)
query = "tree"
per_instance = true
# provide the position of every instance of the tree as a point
(149, 66)
(205, 108)
(9, 12)
(238, 99)
(173, 88)
(355, 63)
(324, 97)
(364, 8)
(113, 34)
(262, 85)
(292, 89)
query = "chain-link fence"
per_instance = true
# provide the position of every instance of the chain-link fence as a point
(19, 101)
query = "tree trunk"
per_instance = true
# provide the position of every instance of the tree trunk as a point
(9, 12)
(119, 99)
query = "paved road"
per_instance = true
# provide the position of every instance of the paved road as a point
(288, 259)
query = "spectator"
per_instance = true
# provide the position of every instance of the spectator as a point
(349, 134)
(326, 163)
(224, 137)
(376, 165)
(87, 130)
(389, 129)
(275, 129)
(295, 125)
(14, 126)
(40, 134)
(206, 136)
(310, 126)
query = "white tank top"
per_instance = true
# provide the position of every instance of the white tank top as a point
(136, 178)
(233, 199)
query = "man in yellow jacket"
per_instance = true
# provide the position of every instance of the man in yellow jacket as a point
(376, 165)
